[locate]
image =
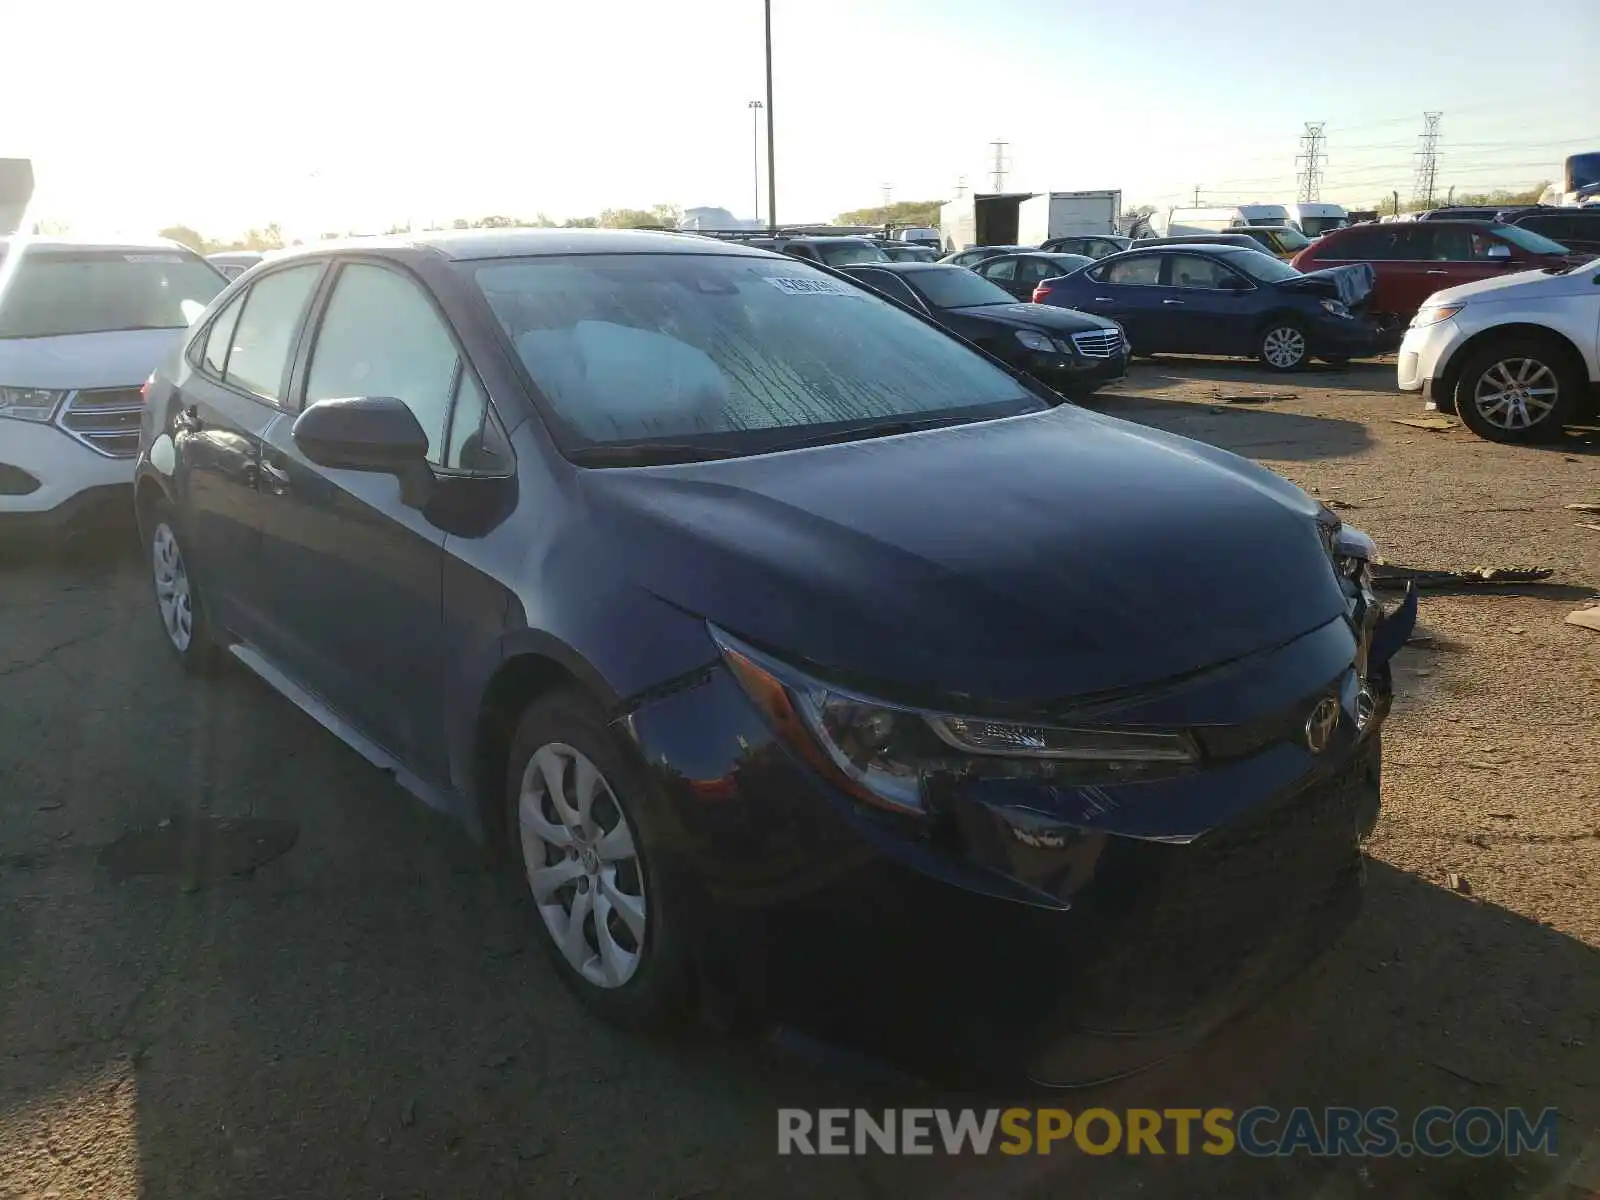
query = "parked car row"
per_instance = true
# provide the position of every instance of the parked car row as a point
(811, 666)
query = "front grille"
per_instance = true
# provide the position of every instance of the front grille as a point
(1097, 343)
(1244, 900)
(105, 419)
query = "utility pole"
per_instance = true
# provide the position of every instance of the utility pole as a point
(1197, 195)
(755, 107)
(1311, 155)
(772, 158)
(888, 190)
(1427, 160)
(998, 171)
(961, 187)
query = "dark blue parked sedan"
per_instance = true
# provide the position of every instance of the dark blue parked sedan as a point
(1206, 299)
(811, 666)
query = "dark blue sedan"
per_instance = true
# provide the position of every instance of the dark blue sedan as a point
(809, 665)
(1204, 299)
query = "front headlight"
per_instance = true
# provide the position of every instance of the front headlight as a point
(1351, 551)
(882, 752)
(29, 404)
(1335, 308)
(1432, 314)
(1034, 340)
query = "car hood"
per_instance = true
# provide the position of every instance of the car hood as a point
(1524, 283)
(119, 358)
(1351, 284)
(1036, 316)
(1034, 558)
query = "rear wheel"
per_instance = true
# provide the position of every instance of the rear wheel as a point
(1283, 345)
(183, 618)
(1517, 390)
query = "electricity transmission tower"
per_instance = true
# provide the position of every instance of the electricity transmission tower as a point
(1312, 158)
(998, 171)
(1427, 160)
(888, 190)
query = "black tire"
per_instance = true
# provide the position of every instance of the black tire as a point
(658, 992)
(1531, 364)
(196, 648)
(1279, 335)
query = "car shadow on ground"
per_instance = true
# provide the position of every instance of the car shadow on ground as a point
(1256, 431)
(1171, 370)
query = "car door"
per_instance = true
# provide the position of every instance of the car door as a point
(1128, 290)
(229, 397)
(1003, 272)
(1032, 270)
(1206, 306)
(354, 573)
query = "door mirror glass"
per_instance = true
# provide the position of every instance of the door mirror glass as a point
(368, 433)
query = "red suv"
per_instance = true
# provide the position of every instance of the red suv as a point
(1414, 259)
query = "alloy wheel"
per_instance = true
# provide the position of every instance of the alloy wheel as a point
(1284, 347)
(1516, 393)
(582, 867)
(173, 594)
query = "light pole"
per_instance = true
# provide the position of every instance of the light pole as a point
(755, 152)
(772, 160)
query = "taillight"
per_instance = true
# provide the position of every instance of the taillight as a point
(144, 392)
(1039, 293)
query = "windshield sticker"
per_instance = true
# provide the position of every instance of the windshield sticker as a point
(160, 258)
(795, 285)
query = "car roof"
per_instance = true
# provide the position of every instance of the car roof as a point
(480, 244)
(902, 268)
(110, 246)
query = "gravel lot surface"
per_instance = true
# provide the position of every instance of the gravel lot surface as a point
(364, 1016)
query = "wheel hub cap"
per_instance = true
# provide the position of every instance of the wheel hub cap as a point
(583, 869)
(172, 586)
(1516, 393)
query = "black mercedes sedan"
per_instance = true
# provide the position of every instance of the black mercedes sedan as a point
(1073, 352)
(810, 667)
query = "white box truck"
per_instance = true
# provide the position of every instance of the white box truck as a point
(1062, 214)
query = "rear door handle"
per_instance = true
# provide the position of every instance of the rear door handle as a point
(1102, 299)
(1177, 302)
(1436, 272)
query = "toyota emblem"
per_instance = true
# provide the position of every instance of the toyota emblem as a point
(1324, 719)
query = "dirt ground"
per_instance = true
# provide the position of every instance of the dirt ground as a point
(364, 1016)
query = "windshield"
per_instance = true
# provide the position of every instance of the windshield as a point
(54, 293)
(712, 348)
(1290, 239)
(957, 287)
(1583, 170)
(1527, 239)
(1317, 226)
(1261, 266)
(847, 254)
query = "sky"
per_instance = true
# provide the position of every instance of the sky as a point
(334, 115)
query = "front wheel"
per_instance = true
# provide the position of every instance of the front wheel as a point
(1283, 346)
(183, 617)
(584, 825)
(1518, 390)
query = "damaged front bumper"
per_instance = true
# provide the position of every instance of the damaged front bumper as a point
(1063, 927)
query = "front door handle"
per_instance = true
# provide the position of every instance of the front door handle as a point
(1102, 299)
(1436, 272)
(1177, 302)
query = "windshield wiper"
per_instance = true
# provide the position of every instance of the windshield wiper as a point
(645, 454)
(863, 432)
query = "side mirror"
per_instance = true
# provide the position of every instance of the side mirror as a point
(368, 433)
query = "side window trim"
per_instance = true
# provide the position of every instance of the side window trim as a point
(311, 333)
(286, 381)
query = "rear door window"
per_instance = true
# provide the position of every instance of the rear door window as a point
(263, 338)
(220, 337)
(1139, 272)
(1003, 270)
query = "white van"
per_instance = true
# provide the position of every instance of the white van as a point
(1217, 220)
(1314, 220)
